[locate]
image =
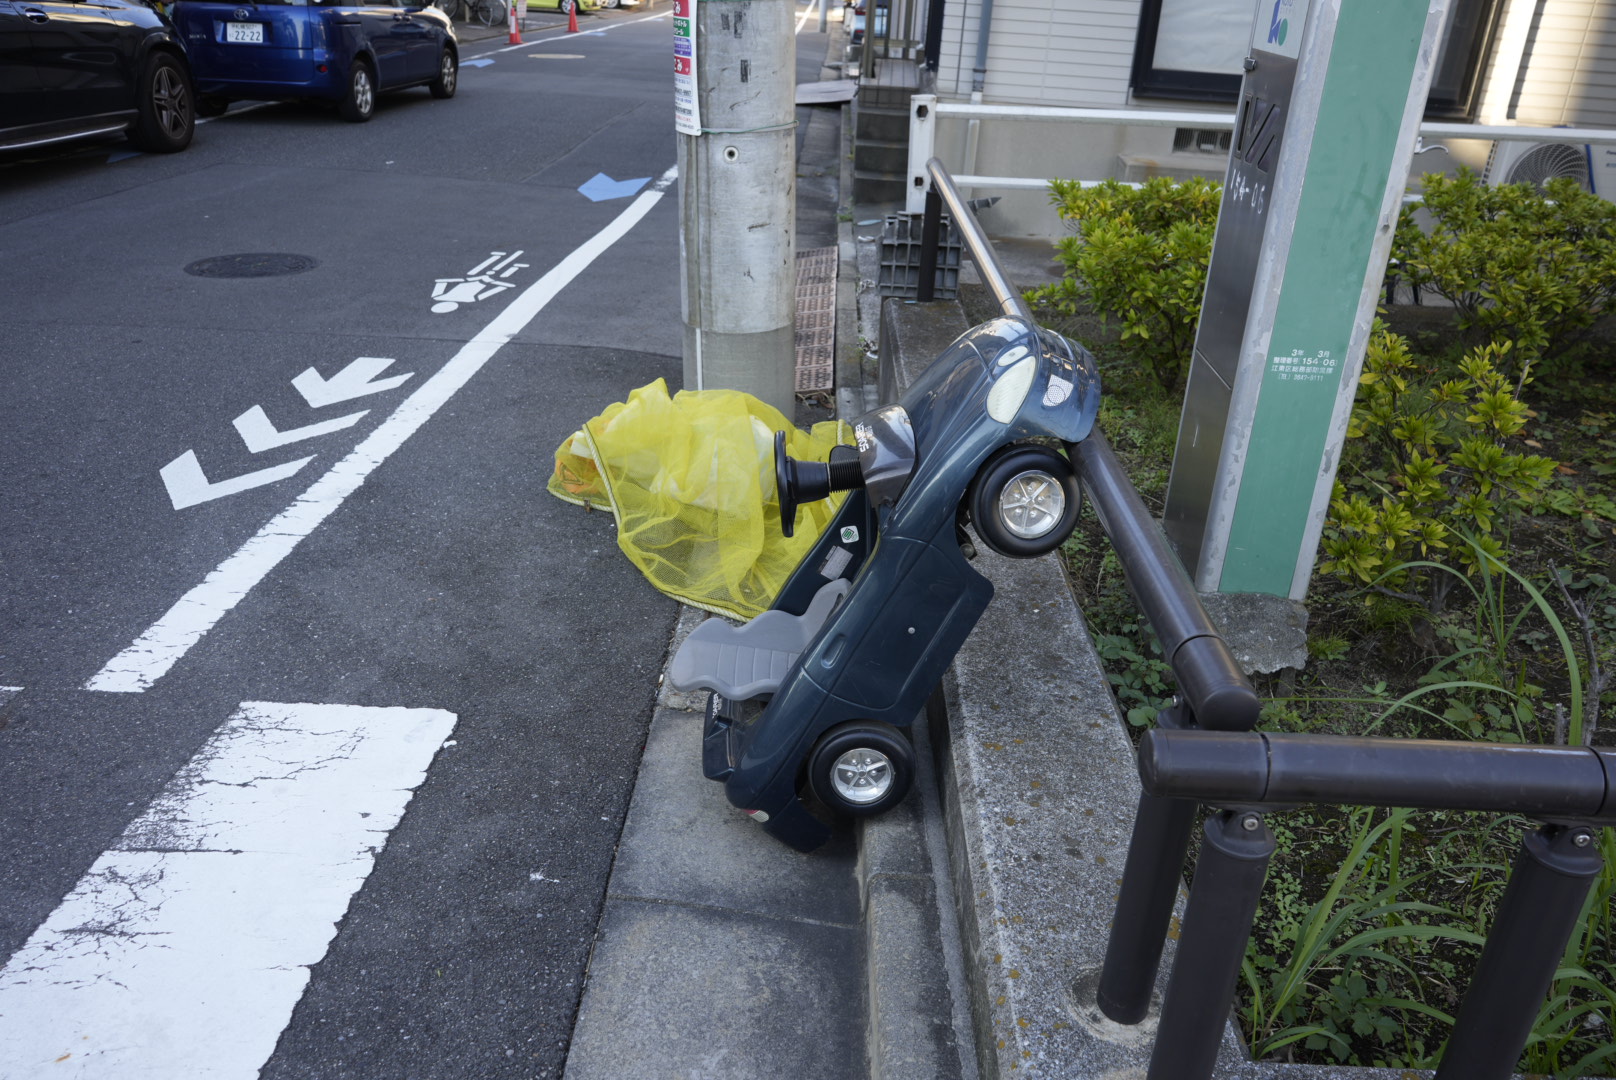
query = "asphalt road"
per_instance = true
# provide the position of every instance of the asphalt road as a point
(447, 581)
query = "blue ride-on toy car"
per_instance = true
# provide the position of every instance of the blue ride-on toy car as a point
(812, 700)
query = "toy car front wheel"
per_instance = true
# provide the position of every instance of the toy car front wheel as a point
(861, 768)
(1024, 501)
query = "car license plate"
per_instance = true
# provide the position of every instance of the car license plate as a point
(250, 32)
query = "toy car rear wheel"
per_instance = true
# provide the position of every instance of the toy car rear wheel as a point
(861, 768)
(1024, 501)
(359, 103)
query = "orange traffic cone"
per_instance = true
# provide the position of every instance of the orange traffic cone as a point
(572, 16)
(516, 23)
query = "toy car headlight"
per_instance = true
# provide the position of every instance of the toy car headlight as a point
(1010, 390)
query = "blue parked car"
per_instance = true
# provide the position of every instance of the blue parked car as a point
(337, 50)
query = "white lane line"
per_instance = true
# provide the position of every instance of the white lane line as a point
(812, 6)
(237, 112)
(185, 947)
(150, 656)
(584, 33)
(8, 692)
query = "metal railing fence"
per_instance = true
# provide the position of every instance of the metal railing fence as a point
(1203, 751)
(925, 110)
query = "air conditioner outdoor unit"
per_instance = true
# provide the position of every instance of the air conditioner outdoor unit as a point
(1518, 162)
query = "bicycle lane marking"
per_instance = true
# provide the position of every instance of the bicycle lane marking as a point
(154, 652)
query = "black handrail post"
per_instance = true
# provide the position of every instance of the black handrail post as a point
(1150, 881)
(930, 233)
(1556, 867)
(1235, 850)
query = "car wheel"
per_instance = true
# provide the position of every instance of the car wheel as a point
(448, 75)
(861, 768)
(359, 103)
(1024, 501)
(211, 105)
(166, 117)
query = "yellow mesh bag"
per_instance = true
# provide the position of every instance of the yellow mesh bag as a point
(690, 480)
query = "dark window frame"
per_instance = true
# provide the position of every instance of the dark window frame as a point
(1149, 81)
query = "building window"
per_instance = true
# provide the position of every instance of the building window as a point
(1191, 50)
(1466, 44)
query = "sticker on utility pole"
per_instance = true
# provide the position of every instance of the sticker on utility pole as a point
(686, 112)
(1305, 366)
(1278, 28)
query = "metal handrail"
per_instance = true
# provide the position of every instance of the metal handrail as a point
(975, 240)
(925, 109)
(1214, 688)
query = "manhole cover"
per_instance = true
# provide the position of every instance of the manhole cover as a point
(250, 266)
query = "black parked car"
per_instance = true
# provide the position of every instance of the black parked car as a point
(71, 69)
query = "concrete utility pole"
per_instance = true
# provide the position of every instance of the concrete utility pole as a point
(738, 196)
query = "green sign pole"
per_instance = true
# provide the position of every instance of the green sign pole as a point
(1331, 105)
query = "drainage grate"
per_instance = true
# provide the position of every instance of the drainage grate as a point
(816, 321)
(259, 264)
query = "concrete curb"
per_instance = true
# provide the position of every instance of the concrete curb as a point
(1038, 788)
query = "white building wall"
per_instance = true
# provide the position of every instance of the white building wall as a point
(1043, 52)
(1552, 62)
(1570, 70)
(1051, 52)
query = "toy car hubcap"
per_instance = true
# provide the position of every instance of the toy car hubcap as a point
(862, 775)
(1031, 504)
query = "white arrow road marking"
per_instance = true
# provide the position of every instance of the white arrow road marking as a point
(259, 433)
(187, 485)
(185, 947)
(351, 382)
(150, 656)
